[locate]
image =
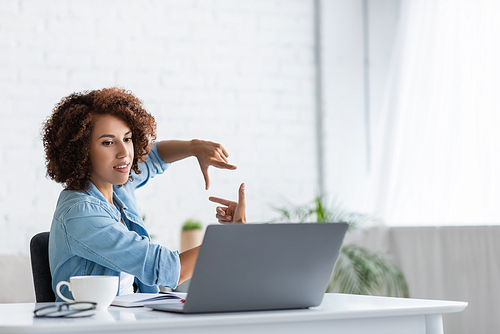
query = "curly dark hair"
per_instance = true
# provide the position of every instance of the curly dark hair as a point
(66, 133)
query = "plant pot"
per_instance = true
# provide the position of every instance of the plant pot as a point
(191, 239)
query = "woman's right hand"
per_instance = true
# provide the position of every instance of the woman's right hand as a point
(210, 154)
(232, 211)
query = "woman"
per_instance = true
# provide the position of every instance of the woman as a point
(100, 145)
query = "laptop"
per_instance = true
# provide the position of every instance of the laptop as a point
(256, 267)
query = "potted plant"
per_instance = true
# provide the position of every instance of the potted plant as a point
(358, 270)
(191, 235)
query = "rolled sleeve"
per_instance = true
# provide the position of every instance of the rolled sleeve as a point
(153, 166)
(169, 269)
(103, 240)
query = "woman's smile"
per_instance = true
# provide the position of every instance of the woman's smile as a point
(123, 168)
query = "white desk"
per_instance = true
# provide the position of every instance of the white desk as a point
(338, 313)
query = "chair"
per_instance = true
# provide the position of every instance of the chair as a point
(42, 279)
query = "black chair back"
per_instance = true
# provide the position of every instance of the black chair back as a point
(42, 279)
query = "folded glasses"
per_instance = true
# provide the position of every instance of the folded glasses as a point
(66, 310)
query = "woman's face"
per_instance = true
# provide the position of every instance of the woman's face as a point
(111, 152)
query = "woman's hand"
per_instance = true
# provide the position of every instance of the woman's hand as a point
(233, 211)
(210, 154)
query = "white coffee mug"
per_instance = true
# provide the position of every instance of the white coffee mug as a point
(98, 289)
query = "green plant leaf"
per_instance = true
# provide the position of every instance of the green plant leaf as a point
(358, 270)
(190, 225)
(317, 211)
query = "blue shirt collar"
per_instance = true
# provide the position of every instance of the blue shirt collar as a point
(118, 201)
(94, 191)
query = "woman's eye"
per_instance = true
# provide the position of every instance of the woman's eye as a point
(127, 140)
(107, 143)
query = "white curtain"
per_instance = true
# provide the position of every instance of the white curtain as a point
(438, 146)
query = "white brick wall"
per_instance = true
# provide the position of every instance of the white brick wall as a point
(240, 72)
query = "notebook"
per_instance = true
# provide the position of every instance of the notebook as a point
(254, 267)
(141, 299)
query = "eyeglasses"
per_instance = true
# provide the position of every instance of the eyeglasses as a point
(66, 310)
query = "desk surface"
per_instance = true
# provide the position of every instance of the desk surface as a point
(18, 318)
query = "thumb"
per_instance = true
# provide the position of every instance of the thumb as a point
(240, 212)
(241, 194)
(204, 171)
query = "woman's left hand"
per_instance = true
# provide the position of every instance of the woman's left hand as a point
(210, 154)
(233, 211)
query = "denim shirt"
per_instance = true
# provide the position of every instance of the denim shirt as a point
(87, 237)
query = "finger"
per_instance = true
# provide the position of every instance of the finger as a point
(220, 211)
(222, 156)
(220, 200)
(224, 151)
(223, 218)
(223, 165)
(223, 213)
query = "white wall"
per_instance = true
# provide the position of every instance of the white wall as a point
(237, 72)
(447, 263)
